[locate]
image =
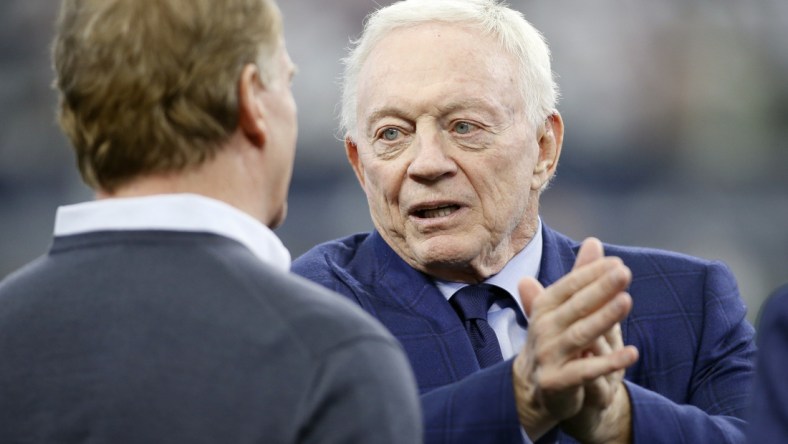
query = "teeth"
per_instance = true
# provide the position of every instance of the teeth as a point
(438, 212)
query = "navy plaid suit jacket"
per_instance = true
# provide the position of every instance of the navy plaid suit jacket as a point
(690, 385)
(769, 414)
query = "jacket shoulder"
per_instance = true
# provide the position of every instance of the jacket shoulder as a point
(319, 263)
(651, 258)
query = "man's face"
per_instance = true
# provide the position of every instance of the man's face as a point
(282, 131)
(444, 150)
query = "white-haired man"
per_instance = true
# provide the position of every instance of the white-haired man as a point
(452, 131)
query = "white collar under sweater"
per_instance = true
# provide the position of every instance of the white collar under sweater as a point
(174, 212)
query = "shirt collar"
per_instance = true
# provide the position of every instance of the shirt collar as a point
(174, 212)
(525, 263)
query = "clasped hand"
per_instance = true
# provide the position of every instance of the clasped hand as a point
(571, 370)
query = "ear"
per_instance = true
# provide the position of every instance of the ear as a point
(351, 149)
(551, 138)
(251, 115)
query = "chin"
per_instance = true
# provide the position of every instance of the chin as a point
(445, 252)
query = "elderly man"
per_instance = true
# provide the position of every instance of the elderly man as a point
(163, 312)
(452, 131)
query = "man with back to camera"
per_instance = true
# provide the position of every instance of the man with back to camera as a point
(164, 311)
(451, 129)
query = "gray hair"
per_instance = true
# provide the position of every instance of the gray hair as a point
(515, 34)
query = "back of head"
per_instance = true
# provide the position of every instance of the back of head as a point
(150, 86)
(515, 34)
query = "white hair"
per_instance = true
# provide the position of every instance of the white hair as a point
(515, 34)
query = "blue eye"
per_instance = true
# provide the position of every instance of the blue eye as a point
(463, 127)
(390, 134)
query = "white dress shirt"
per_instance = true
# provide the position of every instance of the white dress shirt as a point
(174, 212)
(503, 315)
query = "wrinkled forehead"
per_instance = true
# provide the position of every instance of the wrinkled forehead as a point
(455, 49)
(436, 55)
(436, 35)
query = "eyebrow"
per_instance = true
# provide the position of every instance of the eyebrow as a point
(484, 105)
(385, 112)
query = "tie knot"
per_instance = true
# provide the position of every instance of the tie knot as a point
(473, 301)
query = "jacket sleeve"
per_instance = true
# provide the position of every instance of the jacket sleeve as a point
(721, 379)
(478, 409)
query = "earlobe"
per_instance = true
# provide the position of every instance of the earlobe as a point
(251, 116)
(351, 150)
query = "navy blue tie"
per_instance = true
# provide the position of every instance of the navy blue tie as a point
(472, 303)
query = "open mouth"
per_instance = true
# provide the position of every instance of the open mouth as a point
(441, 211)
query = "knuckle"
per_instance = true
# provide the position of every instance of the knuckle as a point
(539, 307)
(571, 283)
(547, 382)
(580, 307)
(617, 308)
(577, 336)
(543, 356)
(615, 260)
(540, 327)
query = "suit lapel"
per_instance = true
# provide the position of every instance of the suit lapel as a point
(409, 304)
(558, 256)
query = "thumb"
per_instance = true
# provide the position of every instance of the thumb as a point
(530, 289)
(590, 250)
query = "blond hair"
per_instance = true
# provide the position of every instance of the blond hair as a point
(150, 86)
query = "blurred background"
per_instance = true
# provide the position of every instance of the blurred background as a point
(676, 115)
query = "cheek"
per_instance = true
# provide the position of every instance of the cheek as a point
(382, 182)
(508, 189)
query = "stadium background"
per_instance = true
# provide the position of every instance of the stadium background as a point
(676, 114)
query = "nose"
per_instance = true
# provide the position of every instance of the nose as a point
(431, 160)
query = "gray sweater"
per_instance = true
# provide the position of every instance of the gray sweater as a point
(171, 337)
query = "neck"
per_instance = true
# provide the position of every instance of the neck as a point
(224, 177)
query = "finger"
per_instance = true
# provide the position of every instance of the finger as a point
(598, 392)
(581, 334)
(529, 289)
(614, 337)
(599, 347)
(581, 371)
(616, 341)
(589, 299)
(583, 339)
(601, 391)
(576, 280)
(590, 250)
